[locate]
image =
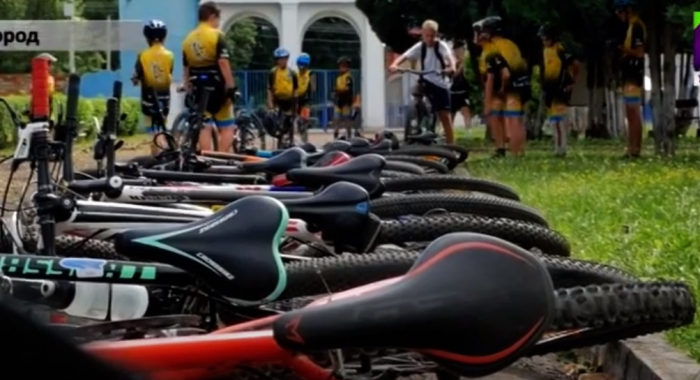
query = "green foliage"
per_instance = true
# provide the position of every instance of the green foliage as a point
(638, 216)
(241, 41)
(87, 109)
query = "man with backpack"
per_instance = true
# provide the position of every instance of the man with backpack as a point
(436, 57)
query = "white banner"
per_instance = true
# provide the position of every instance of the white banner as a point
(76, 35)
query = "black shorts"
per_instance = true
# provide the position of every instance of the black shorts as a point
(284, 105)
(152, 107)
(439, 97)
(457, 101)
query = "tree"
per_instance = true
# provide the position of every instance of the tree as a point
(328, 39)
(241, 39)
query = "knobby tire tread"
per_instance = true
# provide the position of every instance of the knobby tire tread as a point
(450, 182)
(339, 273)
(404, 167)
(429, 228)
(438, 167)
(419, 204)
(422, 150)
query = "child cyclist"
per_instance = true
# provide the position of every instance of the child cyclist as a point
(154, 72)
(305, 87)
(282, 87)
(343, 93)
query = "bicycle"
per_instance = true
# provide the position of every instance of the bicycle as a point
(421, 120)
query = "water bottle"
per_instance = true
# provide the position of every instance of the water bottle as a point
(91, 300)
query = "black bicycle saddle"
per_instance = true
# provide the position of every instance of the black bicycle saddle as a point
(234, 251)
(341, 145)
(363, 171)
(362, 146)
(291, 158)
(334, 157)
(342, 213)
(425, 138)
(472, 303)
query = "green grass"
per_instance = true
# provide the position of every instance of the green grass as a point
(641, 216)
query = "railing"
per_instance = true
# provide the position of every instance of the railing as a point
(253, 88)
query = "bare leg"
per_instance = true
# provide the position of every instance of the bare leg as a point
(446, 121)
(205, 142)
(516, 134)
(467, 116)
(226, 136)
(635, 130)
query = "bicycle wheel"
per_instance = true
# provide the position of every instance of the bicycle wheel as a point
(461, 152)
(444, 155)
(419, 204)
(450, 182)
(429, 228)
(599, 314)
(404, 167)
(339, 273)
(431, 165)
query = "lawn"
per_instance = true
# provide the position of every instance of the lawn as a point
(641, 216)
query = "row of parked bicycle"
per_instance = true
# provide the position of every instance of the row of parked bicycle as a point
(358, 258)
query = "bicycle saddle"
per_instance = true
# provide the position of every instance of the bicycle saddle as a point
(360, 146)
(321, 159)
(341, 145)
(363, 171)
(426, 138)
(234, 251)
(291, 158)
(341, 212)
(472, 303)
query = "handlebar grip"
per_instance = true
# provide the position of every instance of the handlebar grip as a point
(73, 96)
(56, 294)
(110, 122)
(96, 185)
(117, 90)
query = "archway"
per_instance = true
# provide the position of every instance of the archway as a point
(329, 38)
(251, 41)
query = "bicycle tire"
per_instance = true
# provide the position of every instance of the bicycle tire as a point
(404, 167)
(438, 167)
(451, 182)
(339, 273)
(429, 228)
(599, 314)
(393, 174)
(461, 152)
(419, 204)
(422, 150)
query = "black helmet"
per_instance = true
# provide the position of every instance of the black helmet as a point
(155, 30)
(492, 25)
(344, 59)
(549, 31)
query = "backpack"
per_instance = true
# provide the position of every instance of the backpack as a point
(424, 51)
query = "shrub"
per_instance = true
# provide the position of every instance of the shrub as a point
(87, 109)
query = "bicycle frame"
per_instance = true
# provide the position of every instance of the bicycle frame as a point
(202, 194)
(103, 220)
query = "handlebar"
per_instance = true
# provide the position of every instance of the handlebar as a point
(420, 72)
(100, 185)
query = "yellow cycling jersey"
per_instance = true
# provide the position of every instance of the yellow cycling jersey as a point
(154, 67)
(556, 59)
(203, 48)
(487, 48)
(505, 54)
(283, 83)
(304, 79)
(344, 83)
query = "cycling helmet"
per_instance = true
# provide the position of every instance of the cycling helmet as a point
(281, 52)
(155, 30)
(549, 31)
(617, 4)
(304, 60)
(344, 59)
(492, 25)
(47, 57)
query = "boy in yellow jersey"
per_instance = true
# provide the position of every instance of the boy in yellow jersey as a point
(632, 67)
(205, 57)
(343, 96)
(283, 84)
(492, 105)
(507, 83)
(304, 91)
(559, 70)
(154, 72)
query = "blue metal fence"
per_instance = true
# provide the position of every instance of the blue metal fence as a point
(253, 88)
